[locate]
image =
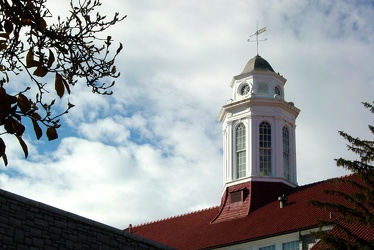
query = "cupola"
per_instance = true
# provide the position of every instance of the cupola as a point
(259, 146)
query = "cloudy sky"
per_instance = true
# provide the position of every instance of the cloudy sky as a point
(153, 149)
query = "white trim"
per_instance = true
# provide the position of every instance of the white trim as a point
(258, 179)
(275, 240)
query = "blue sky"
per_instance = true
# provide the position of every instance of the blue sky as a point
(153, 149)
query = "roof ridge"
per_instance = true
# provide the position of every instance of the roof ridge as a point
(337, 177)
(301, 187)
(177, 216)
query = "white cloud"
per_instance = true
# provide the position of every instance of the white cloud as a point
(107, 130)
(153, 149)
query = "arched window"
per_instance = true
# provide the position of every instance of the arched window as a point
(265, 149)
(286, 153)
(240, 151)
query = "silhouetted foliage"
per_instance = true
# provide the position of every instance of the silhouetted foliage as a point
(356, 209)
(47, 53)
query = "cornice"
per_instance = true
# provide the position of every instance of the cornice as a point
(258, 101)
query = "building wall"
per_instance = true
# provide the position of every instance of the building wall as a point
(28, 224)
(304, 239)
(276, 241)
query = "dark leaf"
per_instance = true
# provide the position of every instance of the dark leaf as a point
(37, 129)
(5, 159)
(18, 127)
(41, 71)
(66, 85)
(59, 86)
(4, 35)
(10, 99)
(16, 116)
(8, 25)
(36, 116)
(6, 77)
(23, 145)
(8, 125)
(23, 103)
(3, 46)
(42, 25)
(30, 62)
(2, 147)
(51, 59)
(52, 133)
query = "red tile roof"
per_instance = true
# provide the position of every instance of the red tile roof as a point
(196, 230)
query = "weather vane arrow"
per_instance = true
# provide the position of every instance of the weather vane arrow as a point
(258, 32)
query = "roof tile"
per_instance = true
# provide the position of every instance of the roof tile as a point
(196, 230)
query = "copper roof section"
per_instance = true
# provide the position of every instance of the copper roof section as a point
(257, 63)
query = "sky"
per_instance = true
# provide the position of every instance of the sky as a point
(153, 149)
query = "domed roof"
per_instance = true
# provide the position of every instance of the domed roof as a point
(257, 63)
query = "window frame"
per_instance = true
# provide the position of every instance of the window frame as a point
(265, 149)
(286, 153)
(291, 245)
(269, 247)
(240, 153)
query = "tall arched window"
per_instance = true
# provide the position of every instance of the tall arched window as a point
(265, 148)
(240, 151)
(286, 153)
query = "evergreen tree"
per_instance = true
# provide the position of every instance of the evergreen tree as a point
(355, 208)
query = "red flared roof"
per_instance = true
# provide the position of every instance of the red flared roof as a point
(199, 230)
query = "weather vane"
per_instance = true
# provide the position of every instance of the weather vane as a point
(258, 32)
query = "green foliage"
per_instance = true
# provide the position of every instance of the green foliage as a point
(355, 208)
(66, 51)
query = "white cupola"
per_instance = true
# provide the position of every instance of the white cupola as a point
(258, 128)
